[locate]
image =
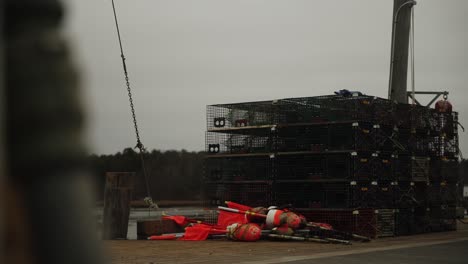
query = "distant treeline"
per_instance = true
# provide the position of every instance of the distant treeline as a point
(172, 175)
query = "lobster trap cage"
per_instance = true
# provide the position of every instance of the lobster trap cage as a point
(335, 166)
(240, 115)
(444, 170)
(410, 194)
(253, 194)
(337, 136)
(412, 168)
(312, 167)
(337, 153)
(444, 124)
(229, 143)
(442, 193)
(357, 221)
(417, 220)
(410, 221)
(238, 169)
(324, 167)
(334, 194)
(316, 109)
(385, 226)
(444, 147)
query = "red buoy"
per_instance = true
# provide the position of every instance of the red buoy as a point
(443, 106)
(244, 232)
(283, 230)
(273, 218)
(291, 219)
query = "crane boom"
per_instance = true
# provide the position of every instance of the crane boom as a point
(399, 50)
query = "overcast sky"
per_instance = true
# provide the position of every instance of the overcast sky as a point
(184, 55)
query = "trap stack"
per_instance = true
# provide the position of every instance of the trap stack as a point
(362, 163)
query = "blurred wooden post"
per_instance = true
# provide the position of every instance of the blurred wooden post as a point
(117, 197)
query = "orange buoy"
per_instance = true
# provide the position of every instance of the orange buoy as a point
(244, 232)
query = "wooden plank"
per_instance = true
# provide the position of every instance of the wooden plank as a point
(117, 197)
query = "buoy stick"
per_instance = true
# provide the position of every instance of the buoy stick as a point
(233, 210)
(339, 241)
(298, 238)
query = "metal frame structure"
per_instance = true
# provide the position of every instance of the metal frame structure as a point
(412, 95)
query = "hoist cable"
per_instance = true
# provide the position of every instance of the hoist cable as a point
(139, 145)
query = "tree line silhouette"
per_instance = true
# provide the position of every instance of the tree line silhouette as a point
(172, 175)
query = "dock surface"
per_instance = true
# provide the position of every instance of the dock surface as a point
(443, 247)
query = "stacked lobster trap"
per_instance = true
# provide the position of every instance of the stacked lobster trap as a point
(337, 156)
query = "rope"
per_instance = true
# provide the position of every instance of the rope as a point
(139, 144)
(412, 56)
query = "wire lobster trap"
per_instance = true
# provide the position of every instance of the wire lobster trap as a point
(411, 116)
(290, 138)
(314, 195)
(240, 115)
(335, 166)
(443, 212)
(326, 195)
(444, 147)
(404, 221)
(414, 142)
(444, 170)
(442, 193)
(445, 124)
(335, 136)
(253, 194)
(384, 168)
(412, 168)
(228, 143)
(364, 165)
(238, 169)
(302, 110)
(385, 222)
(410, 194)
(357, 221)
(412, 220)
(302, 167)
(299, 194)
(320, 167)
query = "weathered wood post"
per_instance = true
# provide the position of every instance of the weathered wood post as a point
(117, 197)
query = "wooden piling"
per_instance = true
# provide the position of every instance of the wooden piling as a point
(117, 197)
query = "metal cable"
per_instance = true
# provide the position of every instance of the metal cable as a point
(139, 145)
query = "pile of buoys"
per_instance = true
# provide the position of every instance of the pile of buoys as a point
(242, 223)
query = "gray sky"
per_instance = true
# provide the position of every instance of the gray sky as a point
(184, 55)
